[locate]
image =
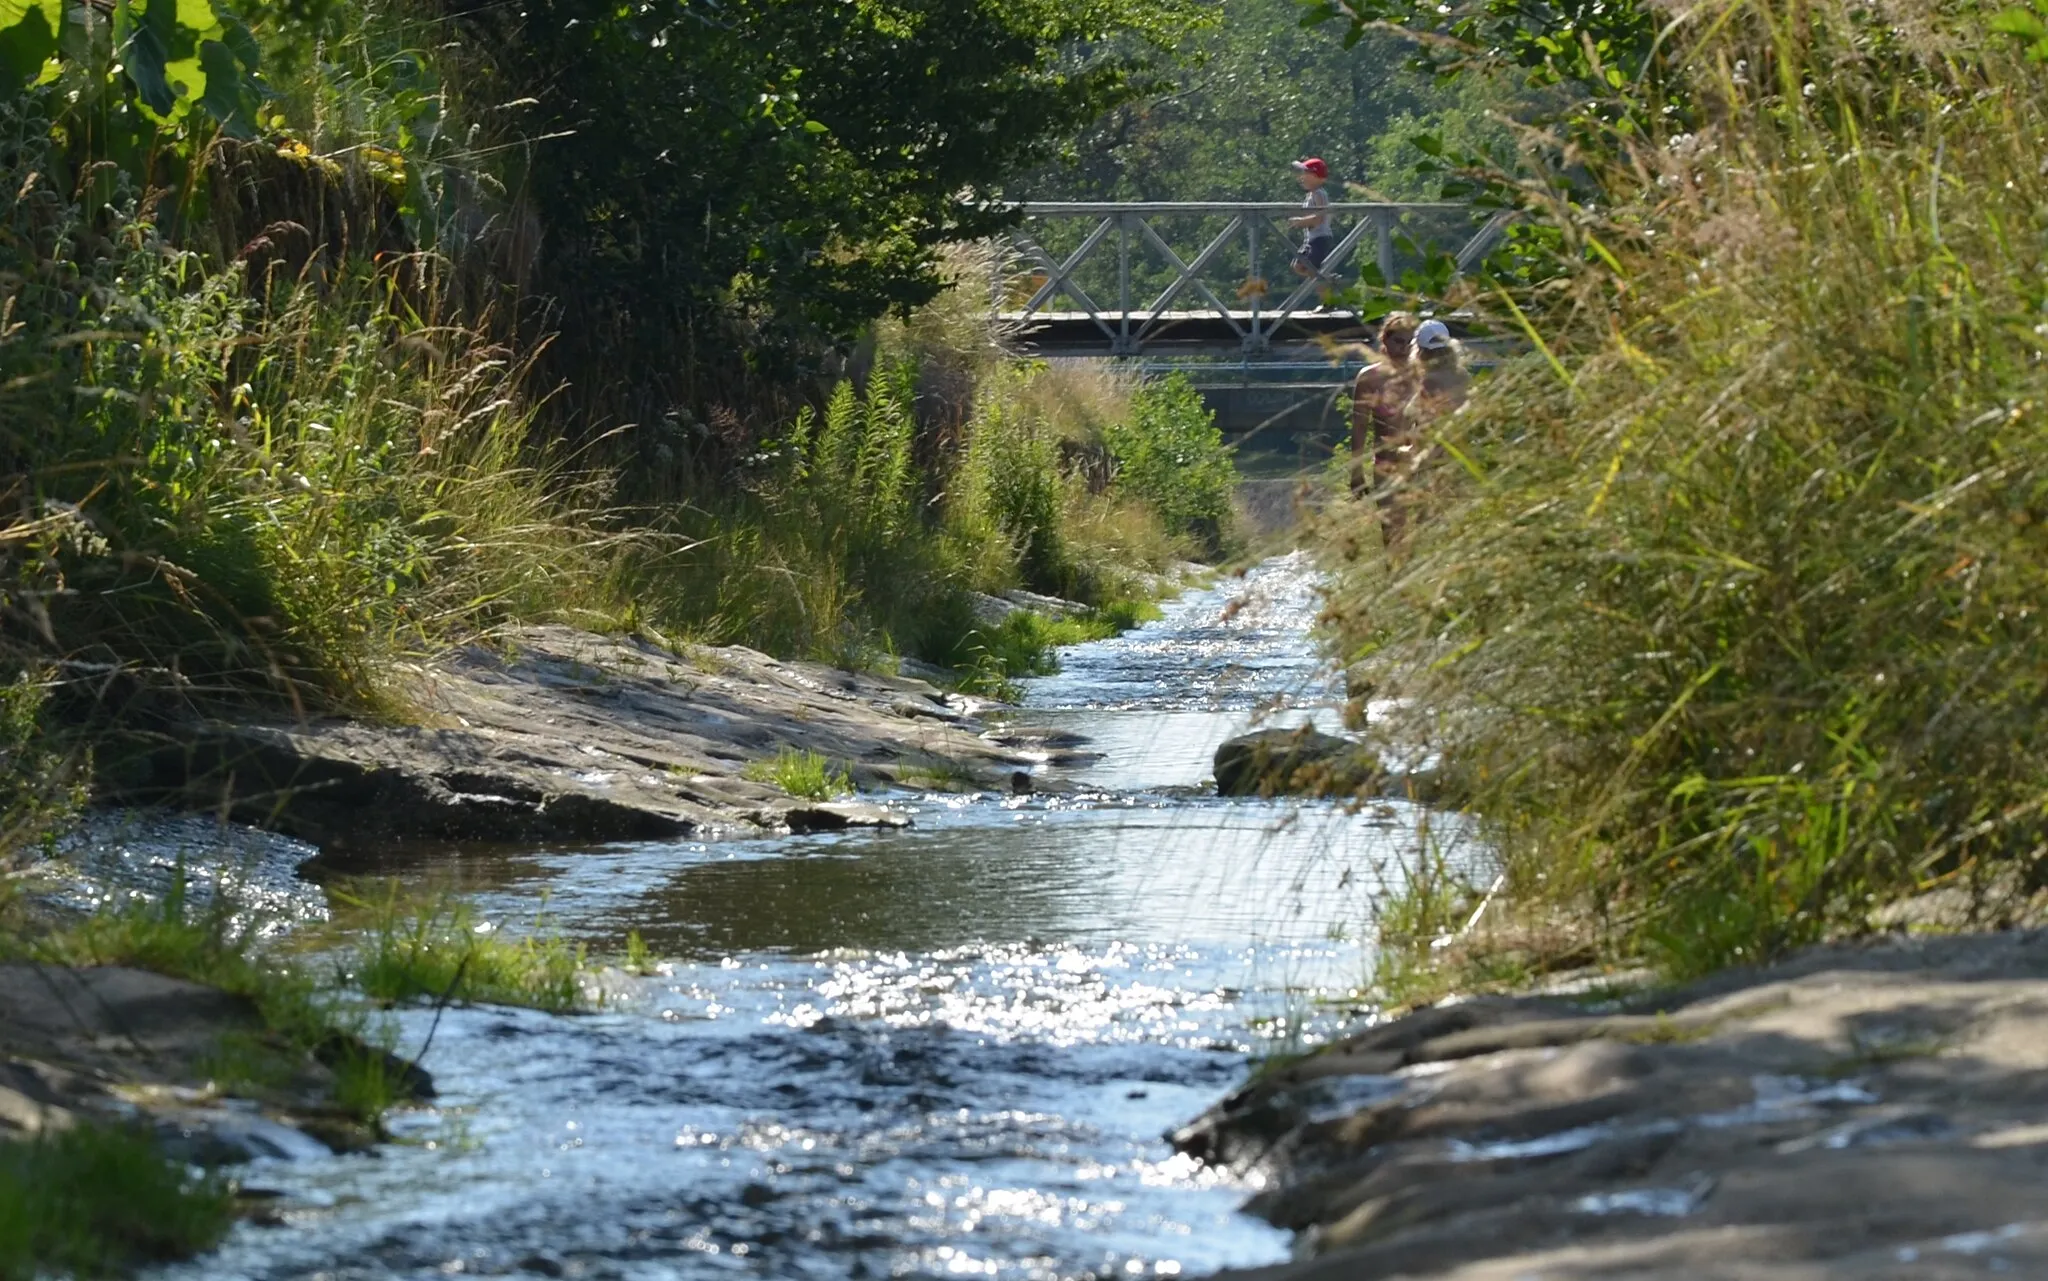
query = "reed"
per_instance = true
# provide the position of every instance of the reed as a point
(1725, 606)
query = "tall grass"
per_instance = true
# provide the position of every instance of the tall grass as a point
(1726, 608)
(230, 497)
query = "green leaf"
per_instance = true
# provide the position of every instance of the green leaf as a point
(2024, 23)
(243, 45)
(229, 98)
(1317, 13)
(146, 56)
(28, 37)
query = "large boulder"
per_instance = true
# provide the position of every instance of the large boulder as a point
(1302, 761)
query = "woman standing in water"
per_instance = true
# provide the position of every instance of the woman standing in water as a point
(1378, 399)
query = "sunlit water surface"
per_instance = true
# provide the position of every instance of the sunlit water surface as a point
(946, 1051)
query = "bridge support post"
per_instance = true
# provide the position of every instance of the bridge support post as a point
(1123, 345)
(1255, 337)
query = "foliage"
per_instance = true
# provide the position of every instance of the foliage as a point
(768, 170)
(434, 948)
(1026, 643)
(1257, 89)
(168, 57)
(1009, 489)
(1170, 455)
(39, 783)
(262, 499)
(2028, 26)
(1607, 54)
(801, 773)
(1726, 603)
(96, 1201)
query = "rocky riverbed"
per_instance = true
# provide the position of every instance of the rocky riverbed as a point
(1868, 1111)
(558, 734)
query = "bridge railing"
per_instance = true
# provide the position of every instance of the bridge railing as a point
(1112, 263)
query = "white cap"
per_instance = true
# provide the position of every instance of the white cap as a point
(1432, 334)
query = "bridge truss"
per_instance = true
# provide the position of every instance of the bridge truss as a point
(1079, 251)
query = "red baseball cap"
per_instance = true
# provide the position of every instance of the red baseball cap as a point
(1314, 165)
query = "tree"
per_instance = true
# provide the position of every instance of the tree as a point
(787, 169)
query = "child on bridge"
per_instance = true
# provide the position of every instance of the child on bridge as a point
(1312, 173)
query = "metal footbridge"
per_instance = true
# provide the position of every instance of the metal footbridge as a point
(1211, 281)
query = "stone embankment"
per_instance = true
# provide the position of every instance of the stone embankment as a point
(1864, 1112)
(558, 734)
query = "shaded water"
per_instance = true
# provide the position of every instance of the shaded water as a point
(946, 1051)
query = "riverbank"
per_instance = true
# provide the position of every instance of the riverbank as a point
(558, 734)
(1857, 1111)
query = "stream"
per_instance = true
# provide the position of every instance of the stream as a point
(950, 1050)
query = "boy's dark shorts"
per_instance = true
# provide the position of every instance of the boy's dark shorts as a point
(1313, 251)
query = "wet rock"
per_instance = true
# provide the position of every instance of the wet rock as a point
(1300, 761)
(837, 816)
(113, 1043)
(1858, 1111)
(559, 735)
(1052, 606)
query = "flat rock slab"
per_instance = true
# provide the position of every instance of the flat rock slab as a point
(837, 816)
(558, 734)
(1873, 1111)
(113, 1043)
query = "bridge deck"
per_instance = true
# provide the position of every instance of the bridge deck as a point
(1078, 330)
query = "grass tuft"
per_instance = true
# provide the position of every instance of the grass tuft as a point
(210, 945)
(809, 775)
(99, 1201)
(435, 948)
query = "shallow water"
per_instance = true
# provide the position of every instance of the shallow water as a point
(946, 1051)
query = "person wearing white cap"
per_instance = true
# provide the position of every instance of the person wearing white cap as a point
(1445, 382)
(1440, 387)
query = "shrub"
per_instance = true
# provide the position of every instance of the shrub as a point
(1008, 490)
(1170, 454)
(1727, 608)
(231, 498)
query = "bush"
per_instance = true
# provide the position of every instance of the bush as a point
(235, 499)
(1169, 454)
(1009, 491)
(1727, 607)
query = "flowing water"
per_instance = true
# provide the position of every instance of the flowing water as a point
(950, 1050)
